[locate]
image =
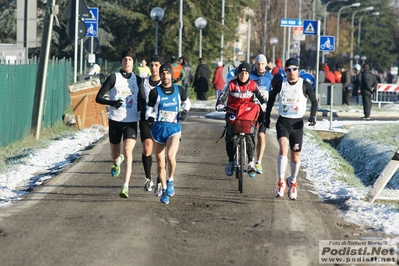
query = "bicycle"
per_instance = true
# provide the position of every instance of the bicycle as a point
(242, 127)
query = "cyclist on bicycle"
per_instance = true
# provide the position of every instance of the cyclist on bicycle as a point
(235, 92)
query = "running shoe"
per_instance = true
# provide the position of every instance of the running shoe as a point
(158, 190)
(292, 192)
(230, 168)
(258, 167)
(280, 189)
(148, 185)
(116, 168)
(124, 192)
(251, 169)
(164, 197)
(170, 188)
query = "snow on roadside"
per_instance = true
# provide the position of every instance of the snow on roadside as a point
(45, 163)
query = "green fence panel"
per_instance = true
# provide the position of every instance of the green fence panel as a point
(17, 90)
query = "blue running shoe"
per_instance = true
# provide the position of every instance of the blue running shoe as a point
(164, 197)
(170, 188)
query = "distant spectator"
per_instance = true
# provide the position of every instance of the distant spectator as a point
(338, 73)
(189, 74)
(330, 77)
(178, 74)
(347, 86)
(201, 80)
(217, 81)
(95, 69)
(368, 85)
(278, 72)
(143, 70)
(322, 74)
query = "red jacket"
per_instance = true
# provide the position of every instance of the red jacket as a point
(239, 94)
(330, 77)
(217, 81)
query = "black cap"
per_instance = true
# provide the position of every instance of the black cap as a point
(243, 67)
(292, 62)
(165, 67)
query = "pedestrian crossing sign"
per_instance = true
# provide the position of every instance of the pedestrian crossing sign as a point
(310, 27)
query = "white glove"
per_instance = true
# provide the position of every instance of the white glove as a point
(263, 107)
(220, 107)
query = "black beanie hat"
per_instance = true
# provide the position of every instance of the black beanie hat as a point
(244, 67)
(128, 52)
(165, 67)
(292, 62)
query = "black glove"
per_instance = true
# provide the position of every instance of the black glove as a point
(151, 121)
(117, 103)
(183, 115)
(312, 121)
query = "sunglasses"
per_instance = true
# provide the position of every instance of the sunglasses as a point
(291, 69)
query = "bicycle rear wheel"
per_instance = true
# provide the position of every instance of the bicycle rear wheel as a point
(241, 162)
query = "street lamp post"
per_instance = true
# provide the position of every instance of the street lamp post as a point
(363, 58)
(200, 23)
(265, 28)
(325, 20)
(352, 30)
(273, 43)
(360, 25)
(156, 14)
(338, 16)
(356, 57)
(180, 27)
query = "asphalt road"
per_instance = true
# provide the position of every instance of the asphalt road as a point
(78, 218)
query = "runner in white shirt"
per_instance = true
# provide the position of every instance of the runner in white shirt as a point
(293, 93)
(124, 95)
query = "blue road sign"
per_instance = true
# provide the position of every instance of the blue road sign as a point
(327, 43)
(92, 22)
(309, 78)
(92, 30)
(94, 15)
(290, 22)
(310, 27)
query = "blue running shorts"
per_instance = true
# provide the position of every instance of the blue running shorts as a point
(161, 131)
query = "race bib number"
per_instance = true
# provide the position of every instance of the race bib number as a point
(290, 107)
(168, 116)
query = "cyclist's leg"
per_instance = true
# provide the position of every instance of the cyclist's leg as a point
(229, 143)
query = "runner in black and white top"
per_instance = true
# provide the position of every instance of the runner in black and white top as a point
(145, 127)
(293, 94)
(124, 96)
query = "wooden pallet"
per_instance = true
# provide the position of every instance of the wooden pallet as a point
(87, 112)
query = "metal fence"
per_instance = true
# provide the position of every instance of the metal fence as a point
(17, 90)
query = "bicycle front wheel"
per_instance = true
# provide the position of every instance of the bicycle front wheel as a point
(241, 162)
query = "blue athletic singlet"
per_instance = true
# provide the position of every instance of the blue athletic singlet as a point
(167, 123)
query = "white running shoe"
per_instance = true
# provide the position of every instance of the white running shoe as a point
(280, 189)
(292, 192)
(251, 169)
(230, 168)
(148, 185)
(158, 190)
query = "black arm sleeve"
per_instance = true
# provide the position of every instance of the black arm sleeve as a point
(308, 92)
(152, 97)
(140, 85)
(182, 92)
(108, 84)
